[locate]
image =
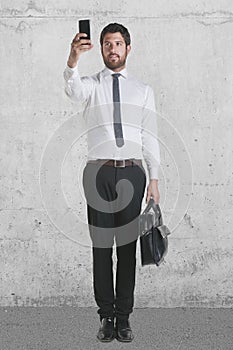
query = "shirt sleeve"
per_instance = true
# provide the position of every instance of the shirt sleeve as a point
(77, 88)
(150, 145)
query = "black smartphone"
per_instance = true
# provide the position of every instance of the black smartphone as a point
(84, 27)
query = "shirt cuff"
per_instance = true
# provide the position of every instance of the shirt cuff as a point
(153, 173)
(70, 72)
(71, 69)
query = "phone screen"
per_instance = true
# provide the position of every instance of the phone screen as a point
(84, 27)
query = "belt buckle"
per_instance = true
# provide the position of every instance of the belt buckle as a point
(119, 161)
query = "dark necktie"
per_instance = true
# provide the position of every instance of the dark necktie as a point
(117, 111)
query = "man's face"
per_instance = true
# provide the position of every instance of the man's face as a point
(114, 51)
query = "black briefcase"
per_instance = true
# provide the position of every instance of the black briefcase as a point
(153, 235)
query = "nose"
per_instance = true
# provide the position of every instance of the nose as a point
(112, 47)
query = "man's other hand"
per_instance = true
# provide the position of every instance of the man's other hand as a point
(153, 191)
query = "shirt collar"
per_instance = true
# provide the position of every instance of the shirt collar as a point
(107, 72)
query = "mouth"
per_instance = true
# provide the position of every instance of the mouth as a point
(113, 57)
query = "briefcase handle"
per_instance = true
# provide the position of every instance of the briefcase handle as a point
(152, 204)
(156, 208)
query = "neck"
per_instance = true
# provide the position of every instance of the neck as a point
(117, 70)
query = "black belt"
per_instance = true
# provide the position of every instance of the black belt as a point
(117, 163)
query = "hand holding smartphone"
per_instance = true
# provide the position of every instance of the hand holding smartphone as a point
(79, 46)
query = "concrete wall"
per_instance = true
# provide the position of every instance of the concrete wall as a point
(184, 50)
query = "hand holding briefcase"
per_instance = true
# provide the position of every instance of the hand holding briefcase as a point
(153, 235)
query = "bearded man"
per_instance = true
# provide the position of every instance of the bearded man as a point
(120, 112)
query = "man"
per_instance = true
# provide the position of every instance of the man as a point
(120, 115)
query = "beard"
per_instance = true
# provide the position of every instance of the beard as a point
(115, 64)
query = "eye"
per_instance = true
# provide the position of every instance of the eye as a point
(106, 44)
(119, 43)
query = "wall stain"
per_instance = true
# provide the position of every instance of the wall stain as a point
(187, 219)
(58, 300)
(22, 26)
(32, 6)
(204, 18)
(216, 22)
(189, 297)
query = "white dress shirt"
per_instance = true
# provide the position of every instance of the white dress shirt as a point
(137, 114)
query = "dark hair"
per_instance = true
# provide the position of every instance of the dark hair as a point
(114, 28)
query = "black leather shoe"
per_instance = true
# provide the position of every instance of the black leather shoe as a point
(106, 332)
(123, 331)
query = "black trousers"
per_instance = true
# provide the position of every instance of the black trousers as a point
(114, 196)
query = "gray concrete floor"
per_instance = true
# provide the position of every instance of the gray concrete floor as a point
(73, 328)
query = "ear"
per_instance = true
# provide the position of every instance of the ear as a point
(128, 48)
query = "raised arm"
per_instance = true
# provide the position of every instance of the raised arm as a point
(77, 88)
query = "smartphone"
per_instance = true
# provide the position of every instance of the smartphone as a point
(84, 27)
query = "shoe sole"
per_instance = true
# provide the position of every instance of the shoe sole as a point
(106, 340)
(124, 341)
